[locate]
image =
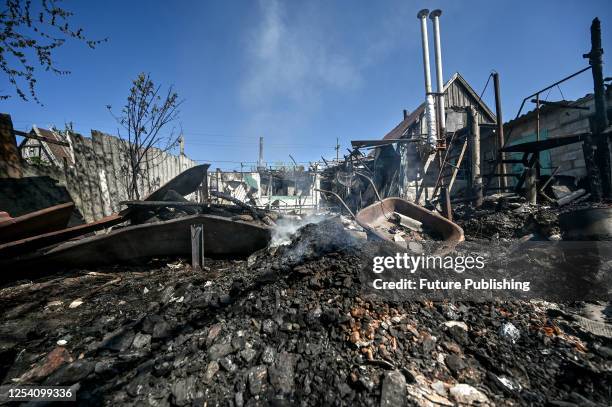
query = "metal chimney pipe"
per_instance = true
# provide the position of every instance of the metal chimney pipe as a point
(429, 100)
(435, 17)
(260, 161)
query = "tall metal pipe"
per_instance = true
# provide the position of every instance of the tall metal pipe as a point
(260, 160)
(435, 17)
(429, 100)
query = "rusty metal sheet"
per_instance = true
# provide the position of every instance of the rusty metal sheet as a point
(35, 223)
(29, 244)
(139, 243)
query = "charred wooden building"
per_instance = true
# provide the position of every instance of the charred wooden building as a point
(403, 165)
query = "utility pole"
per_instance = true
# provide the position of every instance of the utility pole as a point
(599, 122)
(537, 162)
(337, 149)
(500, 133)
(260, 162)
(599, 178)
(181, 141)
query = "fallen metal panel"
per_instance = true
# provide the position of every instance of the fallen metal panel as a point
(35, 223)
(137, 244)
(29, 244)
(185, 183)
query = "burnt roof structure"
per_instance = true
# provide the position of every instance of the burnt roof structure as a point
(458, 93)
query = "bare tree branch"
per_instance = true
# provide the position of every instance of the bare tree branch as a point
(26, 39)
(144, 116)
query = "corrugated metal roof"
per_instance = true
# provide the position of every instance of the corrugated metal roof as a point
(545, 109)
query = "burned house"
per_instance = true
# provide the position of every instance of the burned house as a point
(553, 120)
(243, 289)
(417, 172)
(403, 165)
(286, 188)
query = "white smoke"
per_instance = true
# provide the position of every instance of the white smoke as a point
(285, 228)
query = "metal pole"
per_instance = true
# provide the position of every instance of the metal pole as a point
(261, 152)
(435, 17)
(316, 186)
(475, 176)
(550, 87)
(197, 247)
(337, 149)
(447, 210)
(218, 175)
(500, 132)
(429, 101)
(537, 162)
(270, 188)
(205, 187)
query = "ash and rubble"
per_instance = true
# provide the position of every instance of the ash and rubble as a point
(288, 326)
(293, 323)
(500, 219)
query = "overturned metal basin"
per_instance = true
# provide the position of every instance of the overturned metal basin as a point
(376, 218)
(223, 237)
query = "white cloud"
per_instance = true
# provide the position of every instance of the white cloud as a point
(293, 61)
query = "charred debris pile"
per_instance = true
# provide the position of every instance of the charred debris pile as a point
(176, 301)
(289, 325)
(284, 320)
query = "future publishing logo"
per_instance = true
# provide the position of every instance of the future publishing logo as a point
(405, 263)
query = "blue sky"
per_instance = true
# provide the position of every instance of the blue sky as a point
(303, 73)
